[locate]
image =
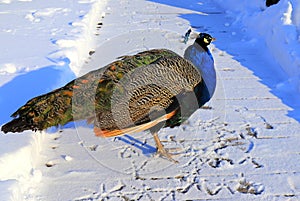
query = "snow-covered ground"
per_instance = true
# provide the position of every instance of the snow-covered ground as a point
(245, 148)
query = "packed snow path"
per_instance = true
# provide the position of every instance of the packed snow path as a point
(242, 146)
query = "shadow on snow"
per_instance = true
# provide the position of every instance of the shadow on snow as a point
(143, 146)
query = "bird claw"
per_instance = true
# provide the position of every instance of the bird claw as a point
(162, 152)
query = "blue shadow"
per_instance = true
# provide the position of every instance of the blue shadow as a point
(145, 148)
(212, 21)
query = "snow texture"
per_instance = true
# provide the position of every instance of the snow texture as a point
(243, 145)
(278, 26)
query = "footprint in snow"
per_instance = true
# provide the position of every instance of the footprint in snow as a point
(249, 187)
(67, 158)
(50, 164)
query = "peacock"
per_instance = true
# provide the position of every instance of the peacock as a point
(147, 91)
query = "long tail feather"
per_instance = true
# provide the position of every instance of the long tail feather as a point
(17, 125)
(52, 109)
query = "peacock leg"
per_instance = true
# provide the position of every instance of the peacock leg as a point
(161, 150)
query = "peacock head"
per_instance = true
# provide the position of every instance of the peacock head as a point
(204, 39)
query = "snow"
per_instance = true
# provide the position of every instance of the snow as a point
(19, 157)
(244, 148)
(278, 26)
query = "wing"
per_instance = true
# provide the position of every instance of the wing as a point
(149, 95)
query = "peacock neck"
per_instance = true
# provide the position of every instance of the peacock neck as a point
(203, 60)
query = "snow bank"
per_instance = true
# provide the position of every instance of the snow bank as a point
(38, 34)
(278, 26)
(18, 159)
(77, 48)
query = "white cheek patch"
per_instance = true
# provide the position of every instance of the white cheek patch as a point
(193, 35)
